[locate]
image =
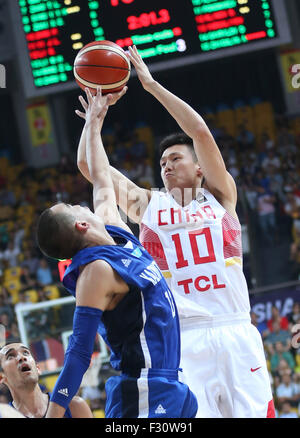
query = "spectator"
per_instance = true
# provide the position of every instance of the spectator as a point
(14, 334)
(279, 354)
(11, 254)
(292, 205)
(260, 179)
(138, 148)
(295, 256)
(19, 234)
(23, 301)
(43, 274)
(7, 197)
(271, 160)
(42, 294)
(266, 214)
(288, 391)
(4, 237)
(30, 261)
(245, 138)
(250, 191)
(5, 302)
(283, 368)
(294, 316)
(5, 319)
(278, 335)
(27, 280)
(275, 316)
(286, 411)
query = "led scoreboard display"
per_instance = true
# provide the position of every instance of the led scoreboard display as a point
(166, 32)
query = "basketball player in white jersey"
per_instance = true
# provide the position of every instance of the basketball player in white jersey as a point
(194, 235)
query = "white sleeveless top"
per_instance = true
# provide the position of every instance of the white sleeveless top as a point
(199, 250)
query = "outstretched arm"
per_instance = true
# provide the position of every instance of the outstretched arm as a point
(98, 166)
(81, 151)
(209, 157)
(132, 199)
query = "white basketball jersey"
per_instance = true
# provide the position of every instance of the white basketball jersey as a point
(198, 248)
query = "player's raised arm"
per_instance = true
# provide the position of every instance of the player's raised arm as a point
(81, 151)
(132, 199)
(98, 167)
(219, 181)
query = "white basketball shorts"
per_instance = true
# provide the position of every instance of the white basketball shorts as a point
(224, 364)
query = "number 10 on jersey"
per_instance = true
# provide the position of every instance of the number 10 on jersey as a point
(193, 240)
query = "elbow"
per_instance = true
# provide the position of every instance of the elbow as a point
(201, 131)
(81, 164)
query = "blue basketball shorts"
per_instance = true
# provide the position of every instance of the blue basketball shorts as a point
(154, 394)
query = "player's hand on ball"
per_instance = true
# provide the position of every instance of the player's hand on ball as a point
(97, 106)
(114, 97)
(142, 70)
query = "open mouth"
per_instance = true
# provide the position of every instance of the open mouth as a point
(25, 368)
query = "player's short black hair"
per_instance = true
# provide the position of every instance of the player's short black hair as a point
(56, 235)
(177, 138)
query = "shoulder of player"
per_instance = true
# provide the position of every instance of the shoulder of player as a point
(96, 268)
(100, 269)
(79, 408)
(226, 197)
(97, 283)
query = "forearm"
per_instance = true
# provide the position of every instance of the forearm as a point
(96, 158)
(77, 359)
(81, 156)
(186, 117)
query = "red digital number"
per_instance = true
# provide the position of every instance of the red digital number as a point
(117, 2)
(148, 19)
(164, 16)
(198, 259)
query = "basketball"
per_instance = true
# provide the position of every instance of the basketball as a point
(102, 63)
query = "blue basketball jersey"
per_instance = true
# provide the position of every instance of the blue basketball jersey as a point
(143, 330)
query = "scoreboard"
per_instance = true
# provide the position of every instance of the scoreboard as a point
(167, 33)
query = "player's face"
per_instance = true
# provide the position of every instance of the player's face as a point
(178, 168)
(75, 210)
(78, 212)
(19, 367)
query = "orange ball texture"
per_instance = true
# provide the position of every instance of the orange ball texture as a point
(102, 63)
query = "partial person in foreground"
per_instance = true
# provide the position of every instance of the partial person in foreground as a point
(193, 232)
(7, 411)
(20, 373)
(120, 293)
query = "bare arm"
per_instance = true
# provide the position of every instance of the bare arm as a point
(132, 199)
(81, 151)
(210, 159)
(104, 198)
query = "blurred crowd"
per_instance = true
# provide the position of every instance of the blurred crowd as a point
(266, 168)
(281, 339)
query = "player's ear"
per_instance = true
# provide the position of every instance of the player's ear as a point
(38, 369)
(199, 170)
(82, 226)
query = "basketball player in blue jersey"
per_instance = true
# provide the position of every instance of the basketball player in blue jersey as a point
(20, 373)
(120, 293)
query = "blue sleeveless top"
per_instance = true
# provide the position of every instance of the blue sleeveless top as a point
(143, 330)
